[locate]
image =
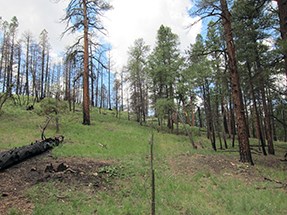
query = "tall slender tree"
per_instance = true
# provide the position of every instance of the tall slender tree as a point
(12, 32)
(3, 59)
(164, 64)
(28, 38)
(202, 77)
(138, 78)
(85, 15)
(282, 6)
(44, 49)
(252, 22)
(243, 139)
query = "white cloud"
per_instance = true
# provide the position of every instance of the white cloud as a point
(133, 19)
(128, 21)
(36, 15)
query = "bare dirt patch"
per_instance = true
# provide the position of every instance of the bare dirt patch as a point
(228, 166)
(78, 172)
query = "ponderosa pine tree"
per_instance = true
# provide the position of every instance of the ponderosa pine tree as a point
(12, 32)
(4, 53)
(243, 139)
(138, 78)
(282, 9)
(27, 40)
(18, 55)
(219, 8)
(44, 44)
(202, 75)
(85, 15)
(215, 48)
(252, 22)
(164, 64)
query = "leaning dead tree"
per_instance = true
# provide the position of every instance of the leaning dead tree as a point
(17, 155)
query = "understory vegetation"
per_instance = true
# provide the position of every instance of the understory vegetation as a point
(187, 180)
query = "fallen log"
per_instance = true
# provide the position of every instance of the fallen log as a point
(14, 156)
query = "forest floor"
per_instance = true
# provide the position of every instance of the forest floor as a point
(90, 175)
(82, 174)
(104, 169)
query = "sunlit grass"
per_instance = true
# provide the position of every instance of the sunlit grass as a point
(127, 144)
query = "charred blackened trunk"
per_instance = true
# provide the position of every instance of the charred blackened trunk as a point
(14, 156)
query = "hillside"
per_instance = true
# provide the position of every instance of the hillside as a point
(107, 171)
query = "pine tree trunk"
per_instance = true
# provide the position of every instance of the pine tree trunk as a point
(224, 120)
(42, 72)
(267, 123)
(257, 117)
(271, 116)
(282, 6)
(18, 87)
(2, 52)
(246, 116)
(10, 66)
(109, 82)
(46, 87)
(209, 118)
(217, 120)
(92, 77)
(27, 69)
(86, 100)
(284, 125)
(232, 128)
(244, 147)
(199, 116)
(97, 85)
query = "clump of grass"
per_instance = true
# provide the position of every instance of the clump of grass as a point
(126, 143)
(14, 211)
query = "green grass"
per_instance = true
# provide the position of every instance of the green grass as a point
(202, 192)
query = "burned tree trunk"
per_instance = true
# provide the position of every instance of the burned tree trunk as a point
(14, 156)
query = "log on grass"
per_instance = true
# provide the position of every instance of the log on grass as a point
(14, 156)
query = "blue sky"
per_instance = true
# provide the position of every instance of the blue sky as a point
(128, 21)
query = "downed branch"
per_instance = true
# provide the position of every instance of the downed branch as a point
(275, 181)
(44, 128)
(14, 156)
(103, 145)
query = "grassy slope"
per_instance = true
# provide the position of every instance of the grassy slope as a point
(177, 192)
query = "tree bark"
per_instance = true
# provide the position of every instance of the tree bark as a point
(43, 71)
(257, 117)
(14, 156)
(199, 117)
(109, 82)
(224, 120)
(18, 87)
(86, 100)
(27, 67)
(244, 147)
(282, 6)
(267, 121)
(10, 66)
(209, 117)
(46, 88)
